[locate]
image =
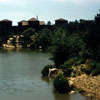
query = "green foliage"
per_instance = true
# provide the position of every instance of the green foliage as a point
(49, 23)
(44, 38)
(94, 68)
(74, 61)
(0, 42)
(45, 70)
(67, 72)
(93, 64)
(97, 19)
(28, 37)
(29, 32)
(60, 50)
(67, 46)
(95, 72)
(98, 66)
(61, 84)
(67, 66)
(87, 71)
(76, 45)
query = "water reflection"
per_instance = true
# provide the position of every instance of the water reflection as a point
(46, 79)
(58, 96)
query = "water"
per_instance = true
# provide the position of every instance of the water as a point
(20, 77)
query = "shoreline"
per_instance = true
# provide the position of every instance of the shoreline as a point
(89, 84)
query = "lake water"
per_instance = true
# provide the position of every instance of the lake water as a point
(20, 77)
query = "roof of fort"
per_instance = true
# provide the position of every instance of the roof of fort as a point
(6, 20)
(22, 21)
(33, 19)
(61, 19)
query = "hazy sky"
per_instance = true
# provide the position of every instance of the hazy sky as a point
(46, 10)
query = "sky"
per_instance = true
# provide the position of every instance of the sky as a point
(48, 10)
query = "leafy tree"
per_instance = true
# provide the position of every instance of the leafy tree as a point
(44, 38)
(76, 45)
(29, 32)
(28, 37)
(67, 46)
(61, 84)
(73, 26)
(93, 39)
(49, 23)
(60, 48)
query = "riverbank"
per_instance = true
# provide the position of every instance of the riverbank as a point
(89, 84)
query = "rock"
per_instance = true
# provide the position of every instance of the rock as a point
(72, 92)
(71, 83)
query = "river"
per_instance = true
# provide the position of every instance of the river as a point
(20, 77)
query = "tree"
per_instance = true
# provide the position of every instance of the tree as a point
(67, 46)
(76, 45)
(29, 32)
(28, 37)
(93, 38)
(45, 38)
(49, 23)
(60, 47)
(61, 84)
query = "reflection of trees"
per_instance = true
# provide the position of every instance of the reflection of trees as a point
(58, 96)
(46, 79)
(11, 49)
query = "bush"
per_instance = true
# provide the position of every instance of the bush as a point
(95, 72)
(73, 61)
(95, 68)
(87, 71)
(61, 84)
(67, 66)
(45, 70)
(67, 72)
(93, 64)
(98, 66)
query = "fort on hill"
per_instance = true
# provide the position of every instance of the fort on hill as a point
(10, 35)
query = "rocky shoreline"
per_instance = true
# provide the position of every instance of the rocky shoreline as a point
(89, 84)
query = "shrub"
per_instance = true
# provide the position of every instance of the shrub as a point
(66, 67)
(67, 72)
(61, 84)
(98, 66)
(93, 64)
(87, 71)
(95, 72)
(45, 70)
(73, 61)
(95, 68)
